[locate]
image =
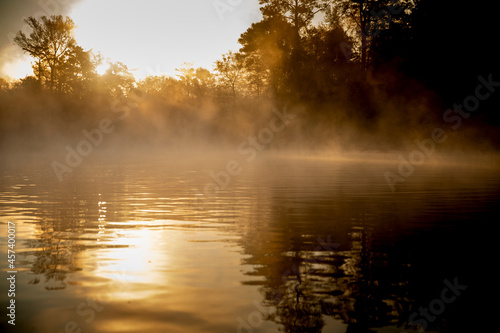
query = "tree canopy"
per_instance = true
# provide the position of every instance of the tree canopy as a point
(316, 52)
(58, 58)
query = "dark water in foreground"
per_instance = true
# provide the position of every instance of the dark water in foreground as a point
(291, 244)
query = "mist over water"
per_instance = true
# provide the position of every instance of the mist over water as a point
(142, 212)
(290, 242)
(320, 179)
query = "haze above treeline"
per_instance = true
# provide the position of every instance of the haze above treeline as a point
(358, 75)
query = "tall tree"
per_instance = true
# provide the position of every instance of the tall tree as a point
(4, 84)
(118, 79)
(269, 43)
(256, 73)
(196, 81)
(299, 13)
(204, 82)
(51, 44)
(78, 74)
(365, 20)
(229, 70)
(187, 75)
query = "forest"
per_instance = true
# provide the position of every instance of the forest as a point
(358, 75)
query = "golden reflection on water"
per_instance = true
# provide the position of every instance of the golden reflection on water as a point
(314, 246)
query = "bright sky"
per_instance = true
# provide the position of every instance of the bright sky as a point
(157, 36)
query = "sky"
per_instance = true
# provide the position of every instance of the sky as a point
(152, 37)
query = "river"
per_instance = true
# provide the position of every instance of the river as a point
(286, 243)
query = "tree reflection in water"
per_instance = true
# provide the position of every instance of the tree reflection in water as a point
(53, 258)
(318, 253)
(309, 285)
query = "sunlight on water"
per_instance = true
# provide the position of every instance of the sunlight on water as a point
(317, 244)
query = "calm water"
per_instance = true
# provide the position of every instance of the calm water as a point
(290, 244)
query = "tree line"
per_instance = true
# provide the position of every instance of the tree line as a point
(335, 57)
(300, 47)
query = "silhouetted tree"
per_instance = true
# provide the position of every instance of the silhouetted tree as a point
(256, 73)
(186, 76)
(78, 73)
(52, 45)
(29, 83)
(117, 80)
(204, 82)
(161, 85)
(365, 20)
(299, 13)
(270, 43)
(229, 70)
(197, 82)
(4, 84)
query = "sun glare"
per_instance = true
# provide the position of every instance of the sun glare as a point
(101, 69)
(18, 66)
(155, 37)
(152, 37)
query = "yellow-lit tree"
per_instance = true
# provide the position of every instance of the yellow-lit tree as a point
(229, 70)
(58, 60)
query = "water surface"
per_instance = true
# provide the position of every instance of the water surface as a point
(290, 244)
